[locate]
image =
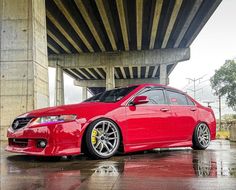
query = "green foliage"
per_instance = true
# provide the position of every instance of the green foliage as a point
(229, 117)
(223, 82)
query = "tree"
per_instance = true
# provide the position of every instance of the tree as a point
(223, 82)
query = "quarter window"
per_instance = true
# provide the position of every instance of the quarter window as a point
(190, 102)
(155, 96)
(176, 98)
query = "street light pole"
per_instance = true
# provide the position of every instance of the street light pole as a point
(194, 80)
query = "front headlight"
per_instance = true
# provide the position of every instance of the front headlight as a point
(54, 119)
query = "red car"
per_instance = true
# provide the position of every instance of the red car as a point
(134, 118)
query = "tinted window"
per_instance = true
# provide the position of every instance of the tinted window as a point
(111, 95)
(190, 102)
(176, 98)
(155, 96)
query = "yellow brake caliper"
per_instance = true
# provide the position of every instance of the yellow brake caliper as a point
(94, 134)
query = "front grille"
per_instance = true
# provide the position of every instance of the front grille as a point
(20, 122)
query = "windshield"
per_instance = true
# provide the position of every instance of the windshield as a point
(111, 95)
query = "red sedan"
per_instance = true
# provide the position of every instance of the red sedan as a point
(134, 118)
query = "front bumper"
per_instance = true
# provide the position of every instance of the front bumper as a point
(62, 139)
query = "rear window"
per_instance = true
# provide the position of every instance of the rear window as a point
(176, 98)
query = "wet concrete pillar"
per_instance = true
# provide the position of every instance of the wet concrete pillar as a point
(84, 93)
(163, 74)
(59, 99)
(110, 77)
(23, 59)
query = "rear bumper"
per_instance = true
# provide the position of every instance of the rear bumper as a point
(62, 139)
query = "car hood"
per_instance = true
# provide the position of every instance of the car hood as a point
(81, 109)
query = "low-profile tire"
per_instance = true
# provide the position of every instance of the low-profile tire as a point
(201, 137)
(102, 139)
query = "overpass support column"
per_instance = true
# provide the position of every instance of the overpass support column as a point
(110, 77)
(84, 93)
(163, 74)
(59, 99)
(23, 59)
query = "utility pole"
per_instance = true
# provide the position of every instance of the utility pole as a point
(194, 80)
(220, 111)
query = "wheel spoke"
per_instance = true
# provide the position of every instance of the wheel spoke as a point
(98, 143)
(103, 126)
(112, 138)
(102, 146)
(109, 134)
(109, 144)
(107, 129)
(107, 147)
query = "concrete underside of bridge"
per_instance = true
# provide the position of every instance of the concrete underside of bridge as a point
(101, 44)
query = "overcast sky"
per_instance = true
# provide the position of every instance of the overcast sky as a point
(215, 43)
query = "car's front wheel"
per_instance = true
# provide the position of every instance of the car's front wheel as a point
(201, 137)
(102, 139)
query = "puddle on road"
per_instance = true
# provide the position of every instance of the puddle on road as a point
(218, 162)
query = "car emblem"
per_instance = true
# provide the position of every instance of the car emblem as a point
(15, 125)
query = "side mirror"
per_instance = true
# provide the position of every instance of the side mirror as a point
(140, 100)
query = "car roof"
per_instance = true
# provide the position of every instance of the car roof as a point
(156, 85)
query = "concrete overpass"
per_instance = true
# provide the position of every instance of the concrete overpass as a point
(100, 43)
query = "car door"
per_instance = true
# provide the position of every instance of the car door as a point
(147, 123)
(184, 115)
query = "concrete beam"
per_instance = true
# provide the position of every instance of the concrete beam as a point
(147, 71)
(155, 23)
(191, 15)
(123, 72)
(123, 25)
(63, 31)
(89, 22)
(121, 59)
(170, 26)
(50, 46)
(139, 22)
(53, 36)
(73, 23)
(155, 71)
(131, 72)
(99, 73)
(118, 82)
(105, 19)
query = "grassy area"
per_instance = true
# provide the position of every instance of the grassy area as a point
(222, 134)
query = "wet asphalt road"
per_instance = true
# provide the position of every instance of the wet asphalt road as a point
(214, 168)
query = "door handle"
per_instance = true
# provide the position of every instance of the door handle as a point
(164, 109)
(193, 109)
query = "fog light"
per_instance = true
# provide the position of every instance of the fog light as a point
(41, 144)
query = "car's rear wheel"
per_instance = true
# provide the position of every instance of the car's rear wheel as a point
(201, 137)
(102, 139)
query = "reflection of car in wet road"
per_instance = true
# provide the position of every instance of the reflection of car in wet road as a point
(214, 168)
(129, 119)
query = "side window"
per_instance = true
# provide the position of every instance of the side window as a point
(155, 96)
(190, 102)
(176, 98)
